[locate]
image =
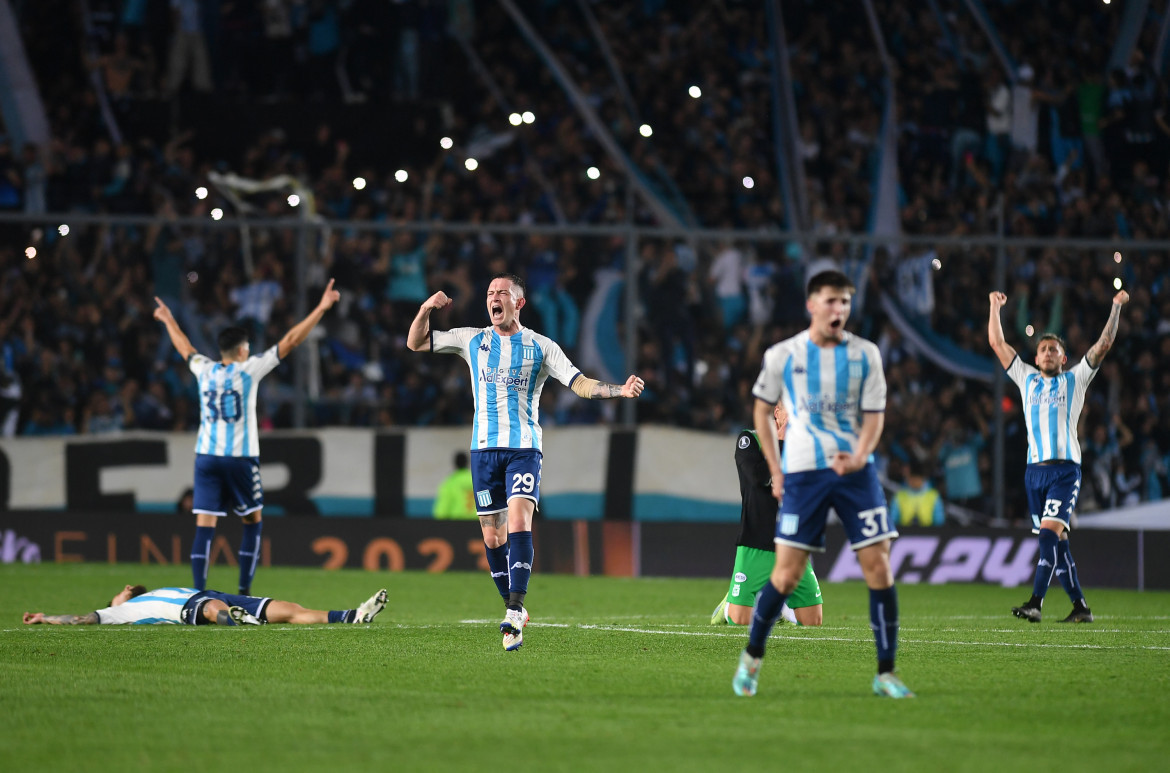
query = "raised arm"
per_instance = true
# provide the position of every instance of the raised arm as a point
(300, 331)
(1003, 351)
(182, 345)
(592, 389)
(36, 618)
(418, 338)
(1098, 350)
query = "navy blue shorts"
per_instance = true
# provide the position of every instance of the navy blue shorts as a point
(857, 498)
(498, 474)
(192, 613)
(223, 482)
(1052, 491)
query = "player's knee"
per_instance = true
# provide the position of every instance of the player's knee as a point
(212, 609)
(785, 580)
(739, 615)
(809, 615)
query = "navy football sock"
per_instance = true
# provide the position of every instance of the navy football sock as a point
(249, 555)
(1045, 562)
(764, 615)
(497, 559)
(200, 553)
(1066, 570)
(342, 615)
(520, 555)
(883, 619)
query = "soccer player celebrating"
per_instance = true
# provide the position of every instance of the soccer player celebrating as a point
(1052, 403)
(755, 548)
(834, 391)
(227, 450)
(509, 365)
(134, 604)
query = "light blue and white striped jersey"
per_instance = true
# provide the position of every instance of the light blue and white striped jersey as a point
(825, 391)
(1052, 409)
(507, 374)
(227, 396)
(161, 606)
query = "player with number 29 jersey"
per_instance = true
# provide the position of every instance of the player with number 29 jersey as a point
(227, 395)
(508, 373)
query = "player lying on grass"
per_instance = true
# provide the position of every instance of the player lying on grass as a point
(188, 606)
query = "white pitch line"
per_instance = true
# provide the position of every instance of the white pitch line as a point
(809, 637)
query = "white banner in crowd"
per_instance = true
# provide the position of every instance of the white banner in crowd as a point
(678, 474)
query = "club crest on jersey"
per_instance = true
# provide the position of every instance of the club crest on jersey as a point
(528, 352)
(855, 369)
(744, 441)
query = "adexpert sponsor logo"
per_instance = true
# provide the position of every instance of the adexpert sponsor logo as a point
(513, 378)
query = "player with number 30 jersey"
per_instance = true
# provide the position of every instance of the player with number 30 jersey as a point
(227, 451)
(227, 391)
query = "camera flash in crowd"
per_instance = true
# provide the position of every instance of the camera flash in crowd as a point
(593, 173)
(63, 229)
(695, 92)
(30, 252)
(1117, 283)
(201, 193)
(216, 213)
(645, 130)
(1117, 257)
(359, 183)
(192, 277)
(515, 119)
(529, 117)
(749, 183)
(1030, 331)
(936, 264)
(401, 176)
(294, 200)
(446, 143)
(471, 164)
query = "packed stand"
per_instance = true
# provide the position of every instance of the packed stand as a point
(83, 355)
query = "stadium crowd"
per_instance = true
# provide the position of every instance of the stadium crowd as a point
(1073, 150)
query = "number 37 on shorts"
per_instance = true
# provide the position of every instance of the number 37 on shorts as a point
(499, 474)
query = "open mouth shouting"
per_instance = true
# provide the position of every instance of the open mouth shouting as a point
(497, 311)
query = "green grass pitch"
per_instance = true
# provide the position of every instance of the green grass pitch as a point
(615, 675)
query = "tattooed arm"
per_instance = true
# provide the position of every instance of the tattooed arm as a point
(34, 618)
(592, 389)
(1098, 350)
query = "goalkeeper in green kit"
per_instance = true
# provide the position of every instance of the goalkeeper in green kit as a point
(755, 548)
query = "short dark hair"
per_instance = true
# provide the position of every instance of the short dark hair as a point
(461, 460)
(1053, 337)
(833, 279)
(231, 337)
(135, 592)
(515, 280)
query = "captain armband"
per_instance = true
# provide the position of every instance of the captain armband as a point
(584, 387)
